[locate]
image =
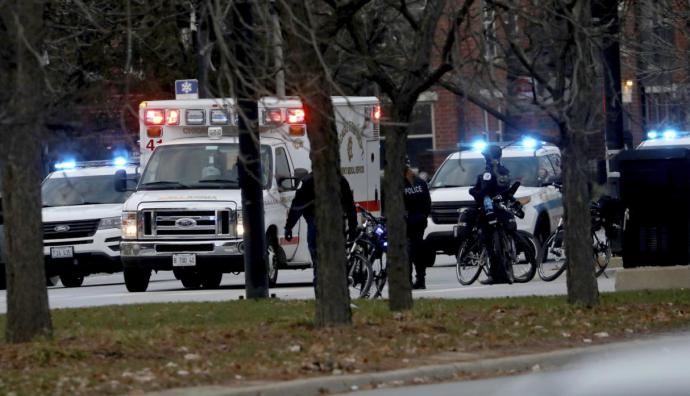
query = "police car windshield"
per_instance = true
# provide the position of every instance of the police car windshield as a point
(198, 166)
(81, 190)
(464, 172)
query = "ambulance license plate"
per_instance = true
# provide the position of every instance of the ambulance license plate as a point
(184, 260)
(59, 252)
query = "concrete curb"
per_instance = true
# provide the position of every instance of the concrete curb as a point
(431, 373)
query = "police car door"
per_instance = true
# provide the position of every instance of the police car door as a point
(553, 200)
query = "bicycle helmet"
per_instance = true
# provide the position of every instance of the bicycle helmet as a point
(492, 152)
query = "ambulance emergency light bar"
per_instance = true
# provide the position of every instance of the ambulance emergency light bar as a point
(666, 134)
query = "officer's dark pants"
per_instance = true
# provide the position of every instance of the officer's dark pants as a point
(415, 236)
(311, 242)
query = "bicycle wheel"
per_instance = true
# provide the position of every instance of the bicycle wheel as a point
(469, 261)
(359, 276)
(525, 266)
(503, 256)
(380, 278)
(552, 263)
(602, 255)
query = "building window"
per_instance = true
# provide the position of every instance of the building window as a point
(420, 138)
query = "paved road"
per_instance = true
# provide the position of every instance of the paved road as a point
(656, 366)
(441, 283)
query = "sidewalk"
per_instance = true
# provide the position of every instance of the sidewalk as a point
(425, 374)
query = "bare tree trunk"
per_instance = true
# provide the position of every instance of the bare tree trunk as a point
(332, 295)
(313, 86)
(582, 283)
(28, 315)
(399, 287)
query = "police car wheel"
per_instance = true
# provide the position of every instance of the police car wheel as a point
(70, 279)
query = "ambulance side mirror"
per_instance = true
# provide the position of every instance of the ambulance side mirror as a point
(120, 181)
(288, 183)
(300, 173)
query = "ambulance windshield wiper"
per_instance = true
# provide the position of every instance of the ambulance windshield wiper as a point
(163, 184)
(232, 182)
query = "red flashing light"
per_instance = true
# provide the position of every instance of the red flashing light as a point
(154, 116)
(377, 113)
(295, 116)
(273, 116)
(154, 132)
(172, 117)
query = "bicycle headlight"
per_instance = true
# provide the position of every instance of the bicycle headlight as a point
(110, 223)
(129, 225)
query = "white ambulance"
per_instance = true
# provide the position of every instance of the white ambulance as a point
(185, 214)
(534, 164)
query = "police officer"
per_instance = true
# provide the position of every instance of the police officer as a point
(493, 181)
(303, 205)
(418, 206)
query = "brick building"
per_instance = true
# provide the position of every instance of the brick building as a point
(654, 84)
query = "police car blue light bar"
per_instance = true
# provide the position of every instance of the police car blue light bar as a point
(120, 161)
(670, 134)
(479, 145)
(652, 134)
(69, 164)
(529, 142)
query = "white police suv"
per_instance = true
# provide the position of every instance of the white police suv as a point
(534, 164)
(81, 219)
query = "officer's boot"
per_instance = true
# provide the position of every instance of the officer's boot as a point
(419, 283)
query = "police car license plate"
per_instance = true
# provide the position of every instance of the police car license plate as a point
(184, 260)
(62, 252)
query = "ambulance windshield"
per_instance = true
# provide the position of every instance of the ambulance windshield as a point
(198, 166)
(464, 172)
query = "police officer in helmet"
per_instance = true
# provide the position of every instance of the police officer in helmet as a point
(493, 181)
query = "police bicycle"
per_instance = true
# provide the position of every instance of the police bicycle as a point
(495, 248)
(366, 257)
(552, 263)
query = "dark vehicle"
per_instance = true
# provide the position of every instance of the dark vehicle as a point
(366, 267)
(495, 247)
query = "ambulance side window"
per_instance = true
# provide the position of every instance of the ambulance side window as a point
(282, 164)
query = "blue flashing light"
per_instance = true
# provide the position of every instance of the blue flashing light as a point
(670, 134)
(479, 145)
(70, 164)
(529, 142)
(652, 134)
(120, 161)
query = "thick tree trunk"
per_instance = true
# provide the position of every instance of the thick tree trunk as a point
(332, 295)
(28, 315)
(581, 280)
(399, 287)
(582, 114)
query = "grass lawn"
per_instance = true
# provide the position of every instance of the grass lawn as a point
(134, 348)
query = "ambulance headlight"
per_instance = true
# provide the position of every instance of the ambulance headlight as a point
(110, 223)
(239, 228)
(129, 225)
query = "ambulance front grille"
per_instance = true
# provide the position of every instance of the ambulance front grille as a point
(189, 224)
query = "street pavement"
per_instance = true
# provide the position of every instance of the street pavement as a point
(99, 290)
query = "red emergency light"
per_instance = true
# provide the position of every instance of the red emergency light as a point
(295, 116)
(154, 116)
(376, 113)
(172, 117)
(273, 116)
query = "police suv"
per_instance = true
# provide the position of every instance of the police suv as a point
(536, 165)
(81, 219)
